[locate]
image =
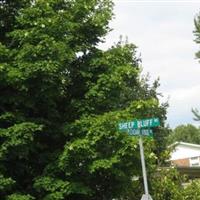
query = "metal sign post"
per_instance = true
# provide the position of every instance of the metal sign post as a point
(144, 173)
(146, 196)
(138, 128)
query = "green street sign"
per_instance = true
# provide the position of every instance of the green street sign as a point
(137, 132)
(139, 124)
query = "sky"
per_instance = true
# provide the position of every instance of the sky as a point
(163, 32)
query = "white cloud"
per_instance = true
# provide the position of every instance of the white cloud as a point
(181, 102)
(163, 31)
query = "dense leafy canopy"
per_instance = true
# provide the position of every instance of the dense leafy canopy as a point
(168, 184)
(61, 99)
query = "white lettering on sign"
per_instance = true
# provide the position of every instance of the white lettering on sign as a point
(122, 126)
(145, 123)
(156, 120)
(138, 124)
(126, 125)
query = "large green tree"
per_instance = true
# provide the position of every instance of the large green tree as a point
(61, 99)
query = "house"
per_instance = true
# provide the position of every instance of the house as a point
(185, 155)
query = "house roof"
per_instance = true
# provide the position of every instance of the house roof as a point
(183, 150)
(185, 144)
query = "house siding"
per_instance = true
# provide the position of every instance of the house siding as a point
(181, 162)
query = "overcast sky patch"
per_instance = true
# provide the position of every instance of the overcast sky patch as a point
(163, 32)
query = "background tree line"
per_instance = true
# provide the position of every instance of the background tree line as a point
(185, 133)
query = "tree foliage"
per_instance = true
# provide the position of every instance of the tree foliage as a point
(196, 114)
(185, 133)
(168, 184)
(192, 191)
(61, 99)
(195, 111)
